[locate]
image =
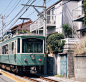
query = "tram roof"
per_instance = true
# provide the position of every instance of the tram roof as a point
(30, 35)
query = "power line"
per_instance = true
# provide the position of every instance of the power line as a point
(11, 13)
(31, 13)
(39, 17)
(14, 8)
(8, 6)
(17, 14)
(21, 15)
(38, 8)
(55, 8)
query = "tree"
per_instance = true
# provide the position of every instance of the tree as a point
(55, 43)
(84, 9)
(67, 30)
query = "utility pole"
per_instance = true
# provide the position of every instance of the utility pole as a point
(2, 17)
(44, 33)
(2, 26)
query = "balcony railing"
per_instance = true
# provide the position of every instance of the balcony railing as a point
(34, 26)
(77, 12)
(51, 21)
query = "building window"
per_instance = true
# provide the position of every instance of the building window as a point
(53, 11)
(48, 12)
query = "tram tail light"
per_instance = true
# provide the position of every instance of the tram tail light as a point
(25, 60)
(40, 60)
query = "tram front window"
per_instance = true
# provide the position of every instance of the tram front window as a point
(32, 45)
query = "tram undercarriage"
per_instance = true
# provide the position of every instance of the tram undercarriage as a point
(21, 69)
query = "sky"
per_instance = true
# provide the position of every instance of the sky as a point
(11, 10)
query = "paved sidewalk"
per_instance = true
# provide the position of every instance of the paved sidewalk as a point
(5, 79)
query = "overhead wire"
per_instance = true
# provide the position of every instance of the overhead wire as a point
(48, 1)
(55, 8)
(38, 8)
(32, 12)
(7, 6)
(12, 11)
(16, 15)
(22, 14)
(14, 8)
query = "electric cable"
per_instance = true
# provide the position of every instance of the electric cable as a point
(22, 14)
(7, 6)
(55, 8)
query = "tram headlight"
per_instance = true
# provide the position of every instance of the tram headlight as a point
(25, 60)
(40, 60)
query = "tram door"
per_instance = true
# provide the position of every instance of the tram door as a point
(63, 65)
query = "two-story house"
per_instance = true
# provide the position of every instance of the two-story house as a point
(57, 14)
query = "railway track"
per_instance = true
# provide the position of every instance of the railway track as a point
(28, 79)
(42, 78)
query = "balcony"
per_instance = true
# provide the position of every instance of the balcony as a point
(34, 26)
(38, 24)
(78, 13)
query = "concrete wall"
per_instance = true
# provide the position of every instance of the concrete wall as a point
(70, 64)
(80, 68)
(53, 64)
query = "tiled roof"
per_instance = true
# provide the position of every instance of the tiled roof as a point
(28, 22)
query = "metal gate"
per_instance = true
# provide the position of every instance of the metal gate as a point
(63, 65)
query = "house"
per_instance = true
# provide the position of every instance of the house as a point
(17, 29)
(58, 14)
(79, 18)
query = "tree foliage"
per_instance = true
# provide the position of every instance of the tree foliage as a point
(67, 31)
(84, 9)
(55, 43)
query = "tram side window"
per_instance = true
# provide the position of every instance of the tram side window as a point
(12, 47)
(5, 49)
(18, 45)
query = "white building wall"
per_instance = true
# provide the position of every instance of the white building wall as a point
(58, 13)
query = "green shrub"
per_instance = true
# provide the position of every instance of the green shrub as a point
(67, 31)
(84, 9)
(55, 43)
